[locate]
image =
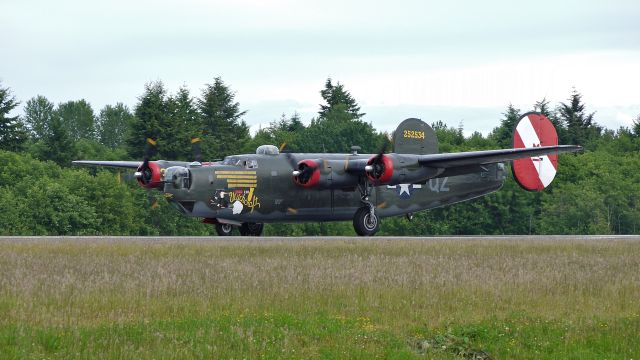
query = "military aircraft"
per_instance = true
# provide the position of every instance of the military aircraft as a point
(246, 191)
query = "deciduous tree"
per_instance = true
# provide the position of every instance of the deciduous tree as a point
(38, 113)
(79, 119)
(113, 124)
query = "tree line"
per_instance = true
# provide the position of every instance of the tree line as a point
(595, 192)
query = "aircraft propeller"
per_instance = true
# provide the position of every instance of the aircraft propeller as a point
(197, 151)
(145, 173)
(376, 166)
(301, 171)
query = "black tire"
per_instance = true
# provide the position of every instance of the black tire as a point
(251, 229)
(364, 224)
(224, 229)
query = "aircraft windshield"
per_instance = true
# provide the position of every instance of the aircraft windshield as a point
(231, 160)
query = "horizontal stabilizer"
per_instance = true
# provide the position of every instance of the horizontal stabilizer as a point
(491, 156)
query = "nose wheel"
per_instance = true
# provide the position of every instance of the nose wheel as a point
(224, 229)
(246, 229)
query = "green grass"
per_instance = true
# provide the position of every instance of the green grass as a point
(320, 299)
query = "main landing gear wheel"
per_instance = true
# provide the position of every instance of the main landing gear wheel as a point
(251, 229)
(366, 222)
(224, 229)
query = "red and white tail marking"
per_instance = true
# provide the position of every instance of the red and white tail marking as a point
(536, 173)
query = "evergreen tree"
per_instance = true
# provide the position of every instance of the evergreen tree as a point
(295, 123)
(224, 132)
(183, 124)
(337, 132)
(113, 124)
(78, 118)
(336, 97)
(503, 134)
(58, 145)
(581, 129)
(38, 113)
(636, 126)
(150, 117)
(12, 132)
(339, 125)
(291, 124)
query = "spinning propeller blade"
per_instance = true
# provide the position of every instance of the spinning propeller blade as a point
(197, 151)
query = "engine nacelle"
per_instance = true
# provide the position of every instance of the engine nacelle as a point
(324, 174)
(308, 173)
(149, 176)
(394, 169)
(384, 169)
(380, 169)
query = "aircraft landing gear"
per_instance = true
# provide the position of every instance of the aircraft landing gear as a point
(251, 229)
(366, 221)
(224, 229)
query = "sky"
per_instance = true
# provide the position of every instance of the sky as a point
(457, 61)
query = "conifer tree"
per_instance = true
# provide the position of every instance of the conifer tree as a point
(59, 146)
(183, 124)
(224, 131)
(503, 134)
(337, 98)
(12, 132)
(636, 126)
(581, 128)
(150, 117)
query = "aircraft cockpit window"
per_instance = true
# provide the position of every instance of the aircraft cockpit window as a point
(251, 164)
(231, 160)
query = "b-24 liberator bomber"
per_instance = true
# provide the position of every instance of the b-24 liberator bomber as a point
(246, 191)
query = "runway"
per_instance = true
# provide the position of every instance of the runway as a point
(324, 238)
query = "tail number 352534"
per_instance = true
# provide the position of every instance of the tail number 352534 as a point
(413, 134)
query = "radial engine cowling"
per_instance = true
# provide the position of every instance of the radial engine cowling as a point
(324, 174)
(307, 175)
(394, 169)
(380, 169)
(149, 175)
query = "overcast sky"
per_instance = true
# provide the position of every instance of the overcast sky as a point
(451, 61)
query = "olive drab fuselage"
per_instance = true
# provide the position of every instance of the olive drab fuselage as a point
(260, 188)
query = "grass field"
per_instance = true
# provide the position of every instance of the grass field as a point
(501, 299)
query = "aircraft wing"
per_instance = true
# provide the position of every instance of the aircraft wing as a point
(117, 164)
(471, 158)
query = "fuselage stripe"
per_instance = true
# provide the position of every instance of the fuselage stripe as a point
(236, 177)
(222, 172)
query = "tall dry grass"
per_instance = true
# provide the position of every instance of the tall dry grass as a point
(396, 284)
